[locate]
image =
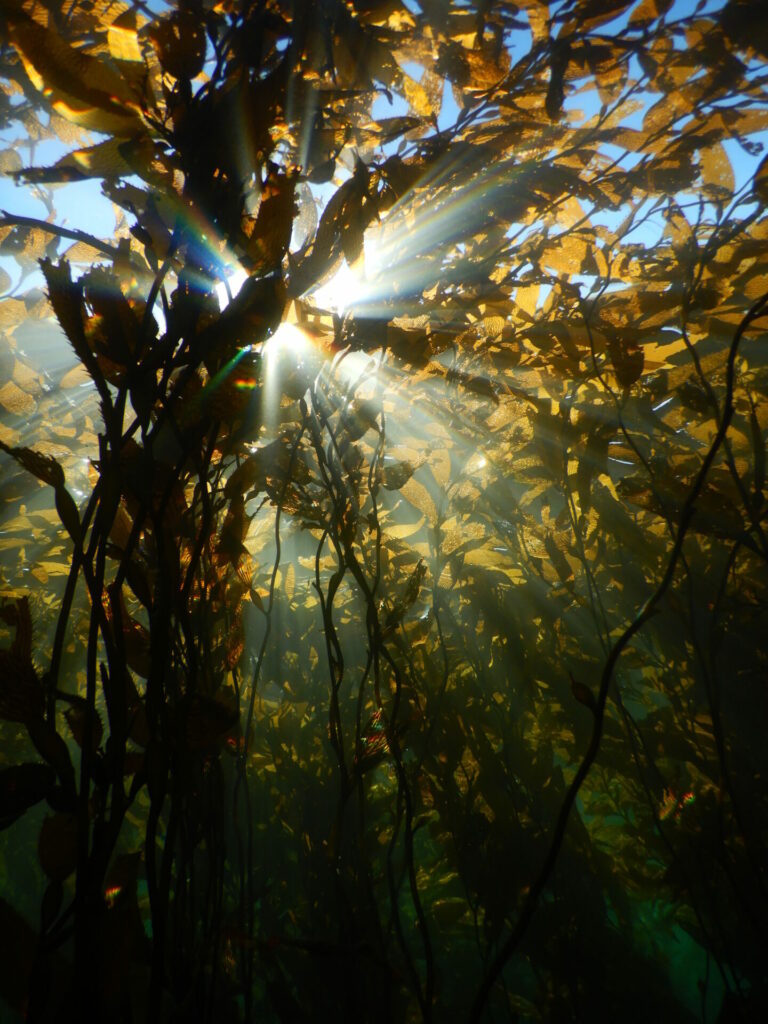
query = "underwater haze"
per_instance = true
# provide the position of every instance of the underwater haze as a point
(383, 515)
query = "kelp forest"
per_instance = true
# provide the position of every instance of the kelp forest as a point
(383, 511)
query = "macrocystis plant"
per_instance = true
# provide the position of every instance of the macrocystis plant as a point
(362, 812)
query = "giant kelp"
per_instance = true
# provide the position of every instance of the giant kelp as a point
(403, 657)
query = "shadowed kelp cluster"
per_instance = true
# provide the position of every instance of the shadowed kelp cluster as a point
(383, 549)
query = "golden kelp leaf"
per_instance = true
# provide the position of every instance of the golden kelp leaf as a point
(440, 464)
(566, 254)
(75, 377)
(433, 85)
(401, 531)
(538, 18)
(83, 89)
(50, 568)
(756, 286)
(527, 299)
(487, 65)
(648, 11)
(27, 379)
(493, 326)
(122, 37)
(289, 582)
(417, 98)
(418, 496)
(66, 132)
(11, 310)
(80, 252)
(445, 580)
(16, 401)
(24, 244)
(10, 161)
(716, 168)
(107, 159)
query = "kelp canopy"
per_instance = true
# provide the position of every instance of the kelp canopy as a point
(385, 640)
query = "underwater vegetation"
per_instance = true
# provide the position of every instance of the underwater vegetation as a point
(383, 521)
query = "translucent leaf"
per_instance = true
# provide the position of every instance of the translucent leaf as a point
(417, 98)
(122, 36)
(16, 401)
(649, 10)
(10, 161)
(716, 168)
(418, 496)
(104, 160)
(75, 378)
(84, 89)
(289, 582)
(401, 531)
(440, 464)
(527, 297)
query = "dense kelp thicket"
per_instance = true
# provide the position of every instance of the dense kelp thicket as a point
(391, 650)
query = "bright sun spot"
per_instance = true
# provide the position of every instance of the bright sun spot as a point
(234, 283)
(288, 338)
(284, 353)
(340, 291)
